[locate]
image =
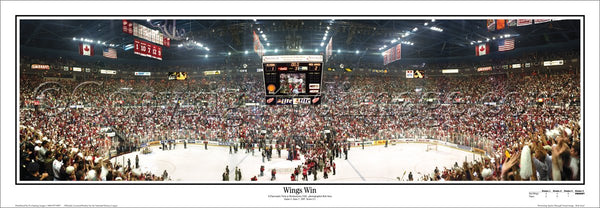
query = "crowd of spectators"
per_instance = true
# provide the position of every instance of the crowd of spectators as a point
(490, 112)
(48, 158)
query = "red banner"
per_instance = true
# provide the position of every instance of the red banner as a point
(144, 48)
(167, 42)
(128, 27)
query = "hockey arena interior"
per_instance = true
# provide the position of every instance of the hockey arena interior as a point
(302, 100)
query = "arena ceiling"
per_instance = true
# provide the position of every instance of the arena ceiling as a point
(226, 37)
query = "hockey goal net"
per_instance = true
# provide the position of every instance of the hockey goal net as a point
(431, 147)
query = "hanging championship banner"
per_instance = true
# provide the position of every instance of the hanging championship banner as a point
(258, 47)
(524, 22)
(144, 32)
(328, 50)
(491, 25)
(128, 27)
(392, 54)
(144, 48)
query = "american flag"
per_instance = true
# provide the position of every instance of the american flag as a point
(506, 44)
(109, 53)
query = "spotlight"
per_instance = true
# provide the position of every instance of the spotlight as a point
(322, 43)
(229, 53)
(268, 44)
(276, 50)
(316, 50)
(206, 56)
(245, 52)
(74, 38)
(357, 51)
(300, 50)
(425, 24)
(339, 50)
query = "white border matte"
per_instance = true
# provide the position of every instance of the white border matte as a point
(247, 195)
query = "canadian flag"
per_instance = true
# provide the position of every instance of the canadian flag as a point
(482, 49)
(86, 49)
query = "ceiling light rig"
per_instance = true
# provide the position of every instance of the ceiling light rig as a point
(263, 35)
(97, 42)
(437, 29)
(407, 43)
(325, 35)
(192, 44)
(487, 39)
(411, 32)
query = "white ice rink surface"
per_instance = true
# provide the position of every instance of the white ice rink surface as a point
(371, 164)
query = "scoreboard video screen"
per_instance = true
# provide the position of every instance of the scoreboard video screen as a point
(293, 79)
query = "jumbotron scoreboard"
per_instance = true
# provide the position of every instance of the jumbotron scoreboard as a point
(293, 79)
